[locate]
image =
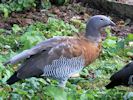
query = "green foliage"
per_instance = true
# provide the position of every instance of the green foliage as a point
(16, 28)
(129, 37)
(59, 28)
(4, 9)
(45, 4)
(37, 32)
(56, 92)
(8, 40)
(30, 39)
(88, 88)
(20, 5)
(114, 45)
(15, 6)
(10, 6)
(128, 96)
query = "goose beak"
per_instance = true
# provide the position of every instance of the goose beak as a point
(112, 23)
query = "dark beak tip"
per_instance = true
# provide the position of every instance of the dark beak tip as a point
(112, 23)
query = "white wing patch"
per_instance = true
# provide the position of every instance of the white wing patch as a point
(64, 67)
(130, 81)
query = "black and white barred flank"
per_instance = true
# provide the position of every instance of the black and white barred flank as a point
(63, 67)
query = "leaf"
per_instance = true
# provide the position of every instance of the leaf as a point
(57, 93)
(6, 12)
(109, 43)
(20, 1)
(129, 37)
(30, 39)
(60, 2)
(15, 96)
(130, 54)
(131, 44)
(108, 31)
(83, 97)
(84, 72)
(20, 91)
(87, 96)
(16, 28)
(45, 4)
(128, 96)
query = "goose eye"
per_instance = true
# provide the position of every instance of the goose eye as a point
(101, 19)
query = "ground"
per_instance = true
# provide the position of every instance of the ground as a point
(23, 30)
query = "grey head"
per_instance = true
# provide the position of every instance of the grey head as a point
(94, 25)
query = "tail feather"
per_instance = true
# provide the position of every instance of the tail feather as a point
(112, 84)
(6, 63)
(13, 79)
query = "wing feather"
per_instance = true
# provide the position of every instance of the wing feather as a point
(46, 52)
(34, 50)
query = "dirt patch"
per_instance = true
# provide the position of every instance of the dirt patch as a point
(65, 13)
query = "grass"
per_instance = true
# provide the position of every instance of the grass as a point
(112, 59)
